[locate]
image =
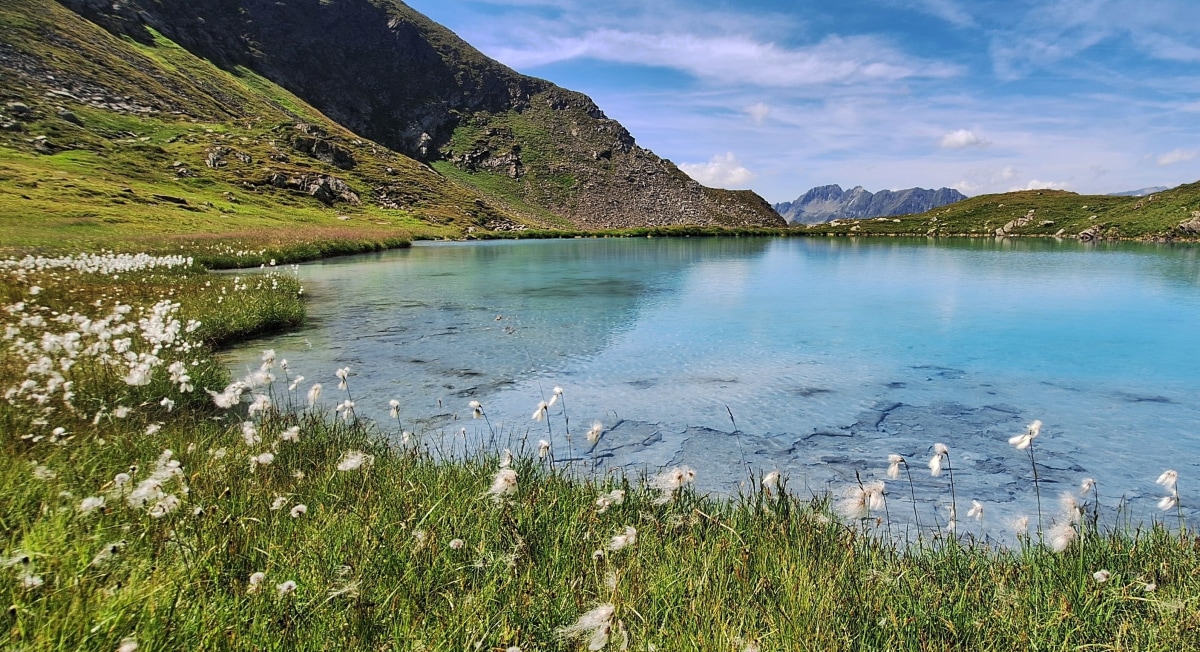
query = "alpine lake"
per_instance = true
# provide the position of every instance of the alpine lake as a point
(815, 357)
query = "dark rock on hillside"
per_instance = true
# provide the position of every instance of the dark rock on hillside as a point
(825, 203)
(388, 73)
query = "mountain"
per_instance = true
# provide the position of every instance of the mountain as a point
(1141, 192)
(825, 203)
(243, 110)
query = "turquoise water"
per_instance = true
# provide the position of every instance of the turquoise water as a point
(830, 353)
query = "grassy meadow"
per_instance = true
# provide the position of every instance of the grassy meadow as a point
(149, 501)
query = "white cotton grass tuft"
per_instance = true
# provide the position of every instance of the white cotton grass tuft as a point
(1070, 507)
(1061, 536)
(476, 409)
(262, 459)
(593, 433)
(345, 409)
(540, 413)
(1168, 479)
(1021, 525)
(595, 625)
(291, 434)
(860, 500)
(250, 433)
(314, 393)
(91, 504)
(506, 459)
(279, 503)
(394, 409)
(614, 497)
(622, 541)
(1087, 486)
(670, 481)
(976, 511)
(353, 460)
(1101, 576)
(1025, 439)
(770, 481)
(457, 544)
(1167, 503)
(299, 510)
(543, 449)
(342, 374)
(254, 584)
(894, 462)
(128, 644)
(286, 588)
(504, 483)
(940, 453)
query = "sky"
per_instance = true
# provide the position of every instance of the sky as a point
(778, 96)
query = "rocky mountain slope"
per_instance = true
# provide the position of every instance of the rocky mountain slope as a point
(825, 203)
(355, 105)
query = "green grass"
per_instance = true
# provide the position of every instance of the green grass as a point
(372, 555)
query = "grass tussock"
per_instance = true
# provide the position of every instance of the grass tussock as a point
(134, 509)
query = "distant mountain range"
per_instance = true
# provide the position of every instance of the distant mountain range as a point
(1139, 193)
(825, 203)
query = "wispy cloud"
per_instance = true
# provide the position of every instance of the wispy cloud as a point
(758, 112)
(948, 10)
(734, 59)
(1177, 156)
(1052, 32)
(962, 138)
(721, 171)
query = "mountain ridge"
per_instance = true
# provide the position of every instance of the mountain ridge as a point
(386, 72)
(830, 202)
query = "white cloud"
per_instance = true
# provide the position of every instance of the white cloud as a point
(1035, 184)
(758, 112)
(962, 138)
(732, 59)
(1177, 156)
(721, 171)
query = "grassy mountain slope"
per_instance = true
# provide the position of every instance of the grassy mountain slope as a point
(164, 119)
(1163, 215)
(105, 140)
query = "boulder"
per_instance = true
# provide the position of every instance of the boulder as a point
(69, 116)
(326, 189)
(325, 151)
(1190, 226)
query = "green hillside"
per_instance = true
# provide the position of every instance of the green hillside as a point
(256, 126)
(1164, 215)
(108, 142)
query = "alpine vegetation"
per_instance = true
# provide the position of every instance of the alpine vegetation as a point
(152, 501)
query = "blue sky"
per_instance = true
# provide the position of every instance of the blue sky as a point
(1093, 96)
